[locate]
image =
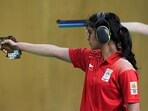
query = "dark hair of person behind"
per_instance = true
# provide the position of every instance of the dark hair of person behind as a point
(119, 34)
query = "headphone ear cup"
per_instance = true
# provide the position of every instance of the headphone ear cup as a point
(103, 34)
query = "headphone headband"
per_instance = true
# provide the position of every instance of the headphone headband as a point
(101, 15)
(101, 20)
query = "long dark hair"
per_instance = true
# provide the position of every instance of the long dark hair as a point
(119, 34)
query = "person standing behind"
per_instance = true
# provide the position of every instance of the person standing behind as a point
(137, 27)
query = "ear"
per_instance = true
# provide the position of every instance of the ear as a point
(103, 34)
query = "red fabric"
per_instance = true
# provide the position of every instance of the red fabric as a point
(107, 85)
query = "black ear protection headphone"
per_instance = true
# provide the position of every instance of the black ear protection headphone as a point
(102, 28)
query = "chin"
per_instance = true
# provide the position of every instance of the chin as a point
(95, 48)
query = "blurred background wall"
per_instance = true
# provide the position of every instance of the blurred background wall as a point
(35, 83)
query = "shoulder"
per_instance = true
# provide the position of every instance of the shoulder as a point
(124, 65)
(79, 50)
